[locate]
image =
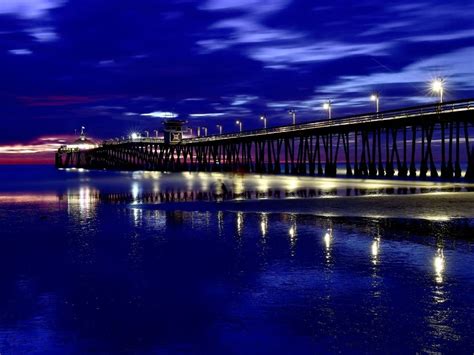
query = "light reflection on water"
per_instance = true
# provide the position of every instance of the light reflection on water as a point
(328, 240)
(439, 264)
(293, 235)
(240, 223)
(264, 224)
(375, 249)
(124, 276)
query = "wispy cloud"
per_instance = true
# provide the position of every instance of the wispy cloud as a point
(38, 151)
(443, 36)
(256, 7)
(380, 28)
(247, 30)
(239, 100)
(456, 66)
(322, 51)
(20, 51)
(43, 34)
(160, 114)
(28, 9)
(424, 21)
(40, 145)
(214, 114)
(246, 24)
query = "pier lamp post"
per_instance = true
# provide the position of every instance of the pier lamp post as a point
(219, 126)
(376, 98)
(156, 133)
(437, 86)
(240, 125)
(205, 131)
(134, 136)
(327, 107)
(198, 131)
(147, 134)
(292, 113)
(264, 119)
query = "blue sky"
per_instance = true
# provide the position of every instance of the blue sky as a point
(117, 66)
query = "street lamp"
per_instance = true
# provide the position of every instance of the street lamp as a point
(437, 86)
(205, 131)
(134, 136)
(264, 119)
(220, 128)
(292, 113)
(327, 106)
(156, 133)
(147, 134)
(240, 125)
(376, 98)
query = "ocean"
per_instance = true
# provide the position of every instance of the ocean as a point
(149, 262)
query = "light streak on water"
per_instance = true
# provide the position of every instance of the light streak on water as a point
(439, 264)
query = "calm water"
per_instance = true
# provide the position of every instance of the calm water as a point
(210, 263)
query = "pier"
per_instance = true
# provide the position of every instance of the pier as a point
(420, 142)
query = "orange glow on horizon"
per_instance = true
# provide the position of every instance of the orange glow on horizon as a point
(38, 151)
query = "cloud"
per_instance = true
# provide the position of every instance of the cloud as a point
(247, 30)
(246, 26)
(214, 114)
(239, 100)
(443, 36)
(316, 52)
(455, 67)
(387, 27)
(249, 6)
(43, 34)
(37, 151)
(20, 51)
(28, 9)
(40, 145)
(424, 21)
(279, 47)
(160, 114)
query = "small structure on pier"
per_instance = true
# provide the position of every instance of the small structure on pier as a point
(173, 131)
(82, 143)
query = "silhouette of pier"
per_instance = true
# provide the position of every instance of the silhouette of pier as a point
(427, 141)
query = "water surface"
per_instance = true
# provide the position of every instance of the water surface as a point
(168, 263)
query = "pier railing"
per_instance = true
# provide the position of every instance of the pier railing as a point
(415, 111)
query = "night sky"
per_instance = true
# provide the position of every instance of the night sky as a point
(117, 66)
